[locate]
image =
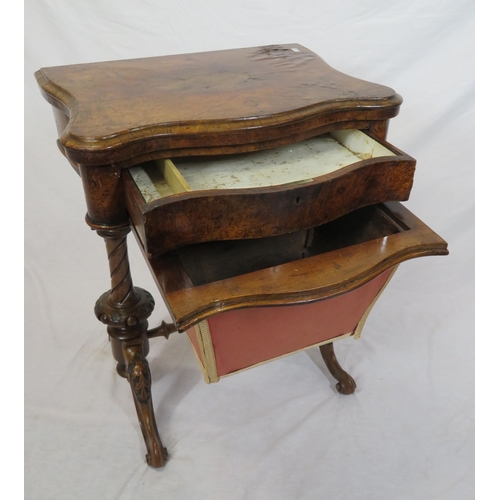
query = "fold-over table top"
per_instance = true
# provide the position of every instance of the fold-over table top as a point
(123, 109)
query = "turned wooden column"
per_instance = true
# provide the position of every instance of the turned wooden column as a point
(124, 308)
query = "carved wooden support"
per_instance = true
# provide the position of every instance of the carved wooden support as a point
(116, 348)
(164, 330)
(346, 384)
(122, 293)
(125, 309)
(139, 377)
(129, 321)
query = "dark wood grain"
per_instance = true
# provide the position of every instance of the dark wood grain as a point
(120, 110)
(317, 277)
(228, 214)
(103, 188)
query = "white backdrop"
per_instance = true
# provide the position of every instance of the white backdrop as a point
(280, 431)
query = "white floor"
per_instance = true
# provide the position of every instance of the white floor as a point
(280, 431)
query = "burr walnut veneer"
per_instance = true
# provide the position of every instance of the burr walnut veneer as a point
(262, 192)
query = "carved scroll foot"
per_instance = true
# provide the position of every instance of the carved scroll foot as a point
(346, 384)
(139, 377)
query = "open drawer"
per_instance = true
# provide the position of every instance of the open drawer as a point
(267, 193)
(327, 278)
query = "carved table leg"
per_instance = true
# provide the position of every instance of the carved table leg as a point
(139, 376)
(125, 309)
(346, 384)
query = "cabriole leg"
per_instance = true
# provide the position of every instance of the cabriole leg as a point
(346, 384)
(139, 377)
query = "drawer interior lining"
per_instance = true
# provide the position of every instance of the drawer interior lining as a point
(300, 162)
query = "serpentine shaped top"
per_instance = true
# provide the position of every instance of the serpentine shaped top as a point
(110, 112)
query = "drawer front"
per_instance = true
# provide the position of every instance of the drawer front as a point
(206, 279)
(266, 193)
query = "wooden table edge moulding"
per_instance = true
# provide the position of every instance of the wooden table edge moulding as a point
(275, 266)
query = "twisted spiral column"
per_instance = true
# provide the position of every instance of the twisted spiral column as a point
(122, 289)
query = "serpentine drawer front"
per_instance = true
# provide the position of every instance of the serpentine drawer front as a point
(254, 195)
(204, 279)
(261, 190)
